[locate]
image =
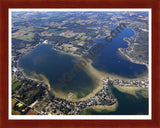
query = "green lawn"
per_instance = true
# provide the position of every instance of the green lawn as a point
(28, 37)
(16, 84)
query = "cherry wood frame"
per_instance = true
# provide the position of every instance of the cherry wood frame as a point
(6, 4)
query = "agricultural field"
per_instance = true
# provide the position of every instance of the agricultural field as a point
(14, 112)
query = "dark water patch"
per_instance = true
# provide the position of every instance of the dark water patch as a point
(52, 64)
(108, 60)
(127, 105)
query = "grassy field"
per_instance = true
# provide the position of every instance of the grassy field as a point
(28, 37)
(24, 33)
(16, 84)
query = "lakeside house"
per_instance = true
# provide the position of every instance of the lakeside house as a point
(45, 42)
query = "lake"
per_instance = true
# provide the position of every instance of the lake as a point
(52, 64)
(111, 61)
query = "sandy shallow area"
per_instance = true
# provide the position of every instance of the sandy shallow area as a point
(100, 108)
(38, 78)
(96, 75)
(132, 90)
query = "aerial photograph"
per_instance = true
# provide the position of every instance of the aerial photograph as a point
(79, 62)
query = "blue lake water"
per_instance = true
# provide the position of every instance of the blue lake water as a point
(111, 61)
(44, 60)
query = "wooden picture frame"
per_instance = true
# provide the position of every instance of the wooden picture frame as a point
(4, 94)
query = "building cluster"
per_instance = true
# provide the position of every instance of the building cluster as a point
(129, 51)
(58, 106)
(137, 83)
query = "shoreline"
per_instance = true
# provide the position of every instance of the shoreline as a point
(89, 69)
(63, 52)
(59, 94)
(29, 77)
(129, 58)
(45, 80)
(100, 108)
(131, 90)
